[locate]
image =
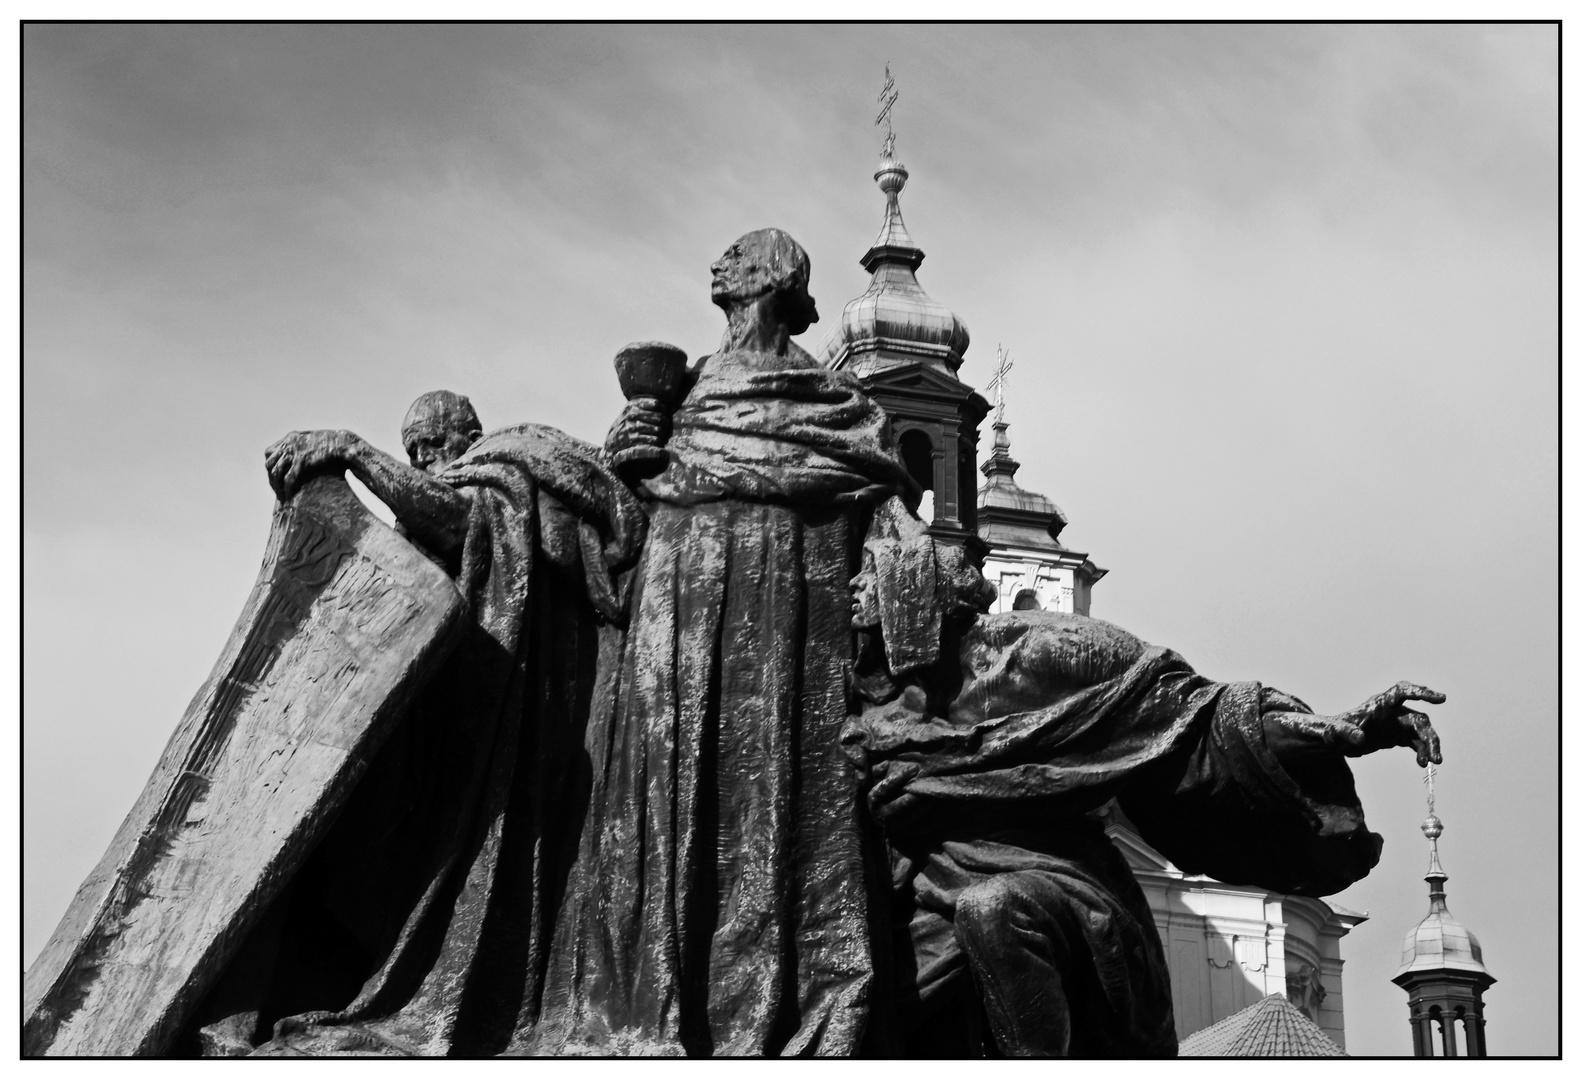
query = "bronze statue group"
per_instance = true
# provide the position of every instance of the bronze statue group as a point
(729, 758)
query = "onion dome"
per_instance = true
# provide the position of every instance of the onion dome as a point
(1008, 512)
(1439, 942)
(895, 321)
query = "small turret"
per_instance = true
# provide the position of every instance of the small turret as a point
(1442, 968)
(1026, 560)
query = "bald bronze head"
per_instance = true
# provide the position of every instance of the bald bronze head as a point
(439, 428)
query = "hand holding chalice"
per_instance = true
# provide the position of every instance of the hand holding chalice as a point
(652, 375)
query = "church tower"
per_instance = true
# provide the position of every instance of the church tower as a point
(1021, 529)
(1442, 970)
(906, 347)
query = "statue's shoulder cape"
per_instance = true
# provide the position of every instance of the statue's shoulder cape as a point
(345, 620)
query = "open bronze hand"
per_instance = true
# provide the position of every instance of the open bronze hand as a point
(303, 454)
(1379, 723)
(1384, 721)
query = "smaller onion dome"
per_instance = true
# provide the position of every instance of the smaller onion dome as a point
(895, 321)
(1439, 942)
(1003, 493)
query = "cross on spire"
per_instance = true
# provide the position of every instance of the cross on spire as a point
(887, 99)
(1002, 371)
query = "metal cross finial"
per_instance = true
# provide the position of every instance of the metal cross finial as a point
(887, 98)
(1002, 369)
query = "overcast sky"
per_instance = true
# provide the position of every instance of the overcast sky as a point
(1283, 304)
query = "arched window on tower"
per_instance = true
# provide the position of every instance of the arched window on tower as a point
(917, 454)
(1440, 1029)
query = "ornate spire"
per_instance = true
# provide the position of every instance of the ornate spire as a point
(1433, 828)
(1439, 942)
(1436, 876)
(905, 346)
(1000, 463)
(1002, 495)
(895, 322)
(893, 244)
(1442, 968)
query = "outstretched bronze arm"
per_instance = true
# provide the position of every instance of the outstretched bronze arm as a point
(1050, 705)
(432, 511)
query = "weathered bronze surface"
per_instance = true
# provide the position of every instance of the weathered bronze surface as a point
(723, 758)
(345, 622)
(985, 771)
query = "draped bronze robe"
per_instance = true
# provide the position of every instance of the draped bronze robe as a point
(724, 898)
(998, 857)
(421, 923)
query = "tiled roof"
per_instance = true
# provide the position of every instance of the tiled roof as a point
(1271, 1028)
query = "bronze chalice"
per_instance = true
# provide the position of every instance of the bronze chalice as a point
(652, 374)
